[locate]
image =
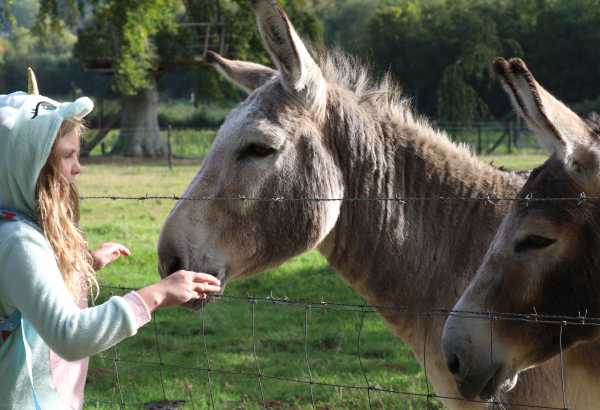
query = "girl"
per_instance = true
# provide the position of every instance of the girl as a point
(47, 331)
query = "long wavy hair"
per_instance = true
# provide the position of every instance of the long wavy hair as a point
(58, 206)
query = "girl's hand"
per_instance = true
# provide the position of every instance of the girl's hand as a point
(179, 288)
(108, 253)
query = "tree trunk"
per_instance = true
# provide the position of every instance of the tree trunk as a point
(140, 133)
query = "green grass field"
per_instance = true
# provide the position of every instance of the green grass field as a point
(237, 339)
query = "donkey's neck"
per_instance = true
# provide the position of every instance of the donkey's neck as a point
(421, 253)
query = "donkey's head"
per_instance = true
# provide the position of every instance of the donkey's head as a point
(271, 146)
(544, 258)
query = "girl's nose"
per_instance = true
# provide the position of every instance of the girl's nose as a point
(76, 170)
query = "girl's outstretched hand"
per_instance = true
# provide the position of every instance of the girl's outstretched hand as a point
(107, 253)
(179, 288)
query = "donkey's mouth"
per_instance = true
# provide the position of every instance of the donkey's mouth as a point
(198, 304)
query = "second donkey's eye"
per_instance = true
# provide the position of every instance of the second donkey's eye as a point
(533, 242)
(256, 150)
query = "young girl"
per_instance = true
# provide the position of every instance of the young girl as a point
(47, 332)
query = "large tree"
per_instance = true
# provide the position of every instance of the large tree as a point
(137, 41)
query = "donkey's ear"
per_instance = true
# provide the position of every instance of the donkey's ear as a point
(247, 76)
(557, 128)
(300, 74)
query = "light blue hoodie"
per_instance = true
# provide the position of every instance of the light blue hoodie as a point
(30, 280)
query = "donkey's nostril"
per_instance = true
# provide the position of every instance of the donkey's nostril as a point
(454, 364)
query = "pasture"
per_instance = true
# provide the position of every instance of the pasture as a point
(288, 344)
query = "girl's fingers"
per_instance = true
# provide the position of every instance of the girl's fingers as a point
(124, 251)
(203, 277)
(206, 288)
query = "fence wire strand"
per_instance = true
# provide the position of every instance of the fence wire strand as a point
(489, 199)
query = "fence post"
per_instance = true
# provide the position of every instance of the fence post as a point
(169, 148)
(509, 135)
(479, 147)
(103, 148)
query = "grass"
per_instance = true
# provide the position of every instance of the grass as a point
(283, 342)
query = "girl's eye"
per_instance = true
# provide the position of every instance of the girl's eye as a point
(532, 242)
(256, 150)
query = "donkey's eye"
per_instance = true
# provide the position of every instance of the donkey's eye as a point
(533, 242)
(256, 150)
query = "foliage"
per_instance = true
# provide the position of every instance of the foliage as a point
(441, 50)
(120, 34)
(141, 40)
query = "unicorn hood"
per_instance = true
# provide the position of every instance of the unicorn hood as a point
(29, 124)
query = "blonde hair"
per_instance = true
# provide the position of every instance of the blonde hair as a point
(58, 206)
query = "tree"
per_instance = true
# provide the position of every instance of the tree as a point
(119, 37)
(137, 41)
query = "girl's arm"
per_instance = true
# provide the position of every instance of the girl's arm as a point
(30, 282)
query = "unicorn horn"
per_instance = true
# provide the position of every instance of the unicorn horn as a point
(32, 82)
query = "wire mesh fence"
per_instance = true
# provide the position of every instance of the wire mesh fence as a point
(285, 354)
(194, 377)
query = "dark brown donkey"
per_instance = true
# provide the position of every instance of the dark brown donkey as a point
(544, 259)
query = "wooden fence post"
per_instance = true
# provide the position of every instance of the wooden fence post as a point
(169, 148)
(479, 147)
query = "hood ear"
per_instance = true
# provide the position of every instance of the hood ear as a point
(557, 128)
(78, 109)
(300, 74)
(245, 75)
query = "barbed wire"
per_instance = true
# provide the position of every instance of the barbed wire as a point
(491, 199)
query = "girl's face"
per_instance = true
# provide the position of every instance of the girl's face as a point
(67, 149)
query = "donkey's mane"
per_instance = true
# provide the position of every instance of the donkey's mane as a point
(353, 74)
(383, 96)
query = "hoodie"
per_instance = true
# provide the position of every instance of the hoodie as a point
(60, 333)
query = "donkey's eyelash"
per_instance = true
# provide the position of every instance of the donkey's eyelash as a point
(256, 150)
(533, 242)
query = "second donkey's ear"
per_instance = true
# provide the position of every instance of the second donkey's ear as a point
(247, 76)
(556, 127)
(554, 124)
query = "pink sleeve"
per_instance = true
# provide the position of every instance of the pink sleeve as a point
(140, 310)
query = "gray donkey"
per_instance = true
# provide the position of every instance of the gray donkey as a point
(318, 127)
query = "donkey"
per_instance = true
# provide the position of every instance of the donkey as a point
(318, 127)
(544, 259)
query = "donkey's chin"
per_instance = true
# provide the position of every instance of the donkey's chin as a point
(486, 384)
(504, 380)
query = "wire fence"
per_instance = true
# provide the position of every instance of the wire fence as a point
(204, 397)
(191, 374)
